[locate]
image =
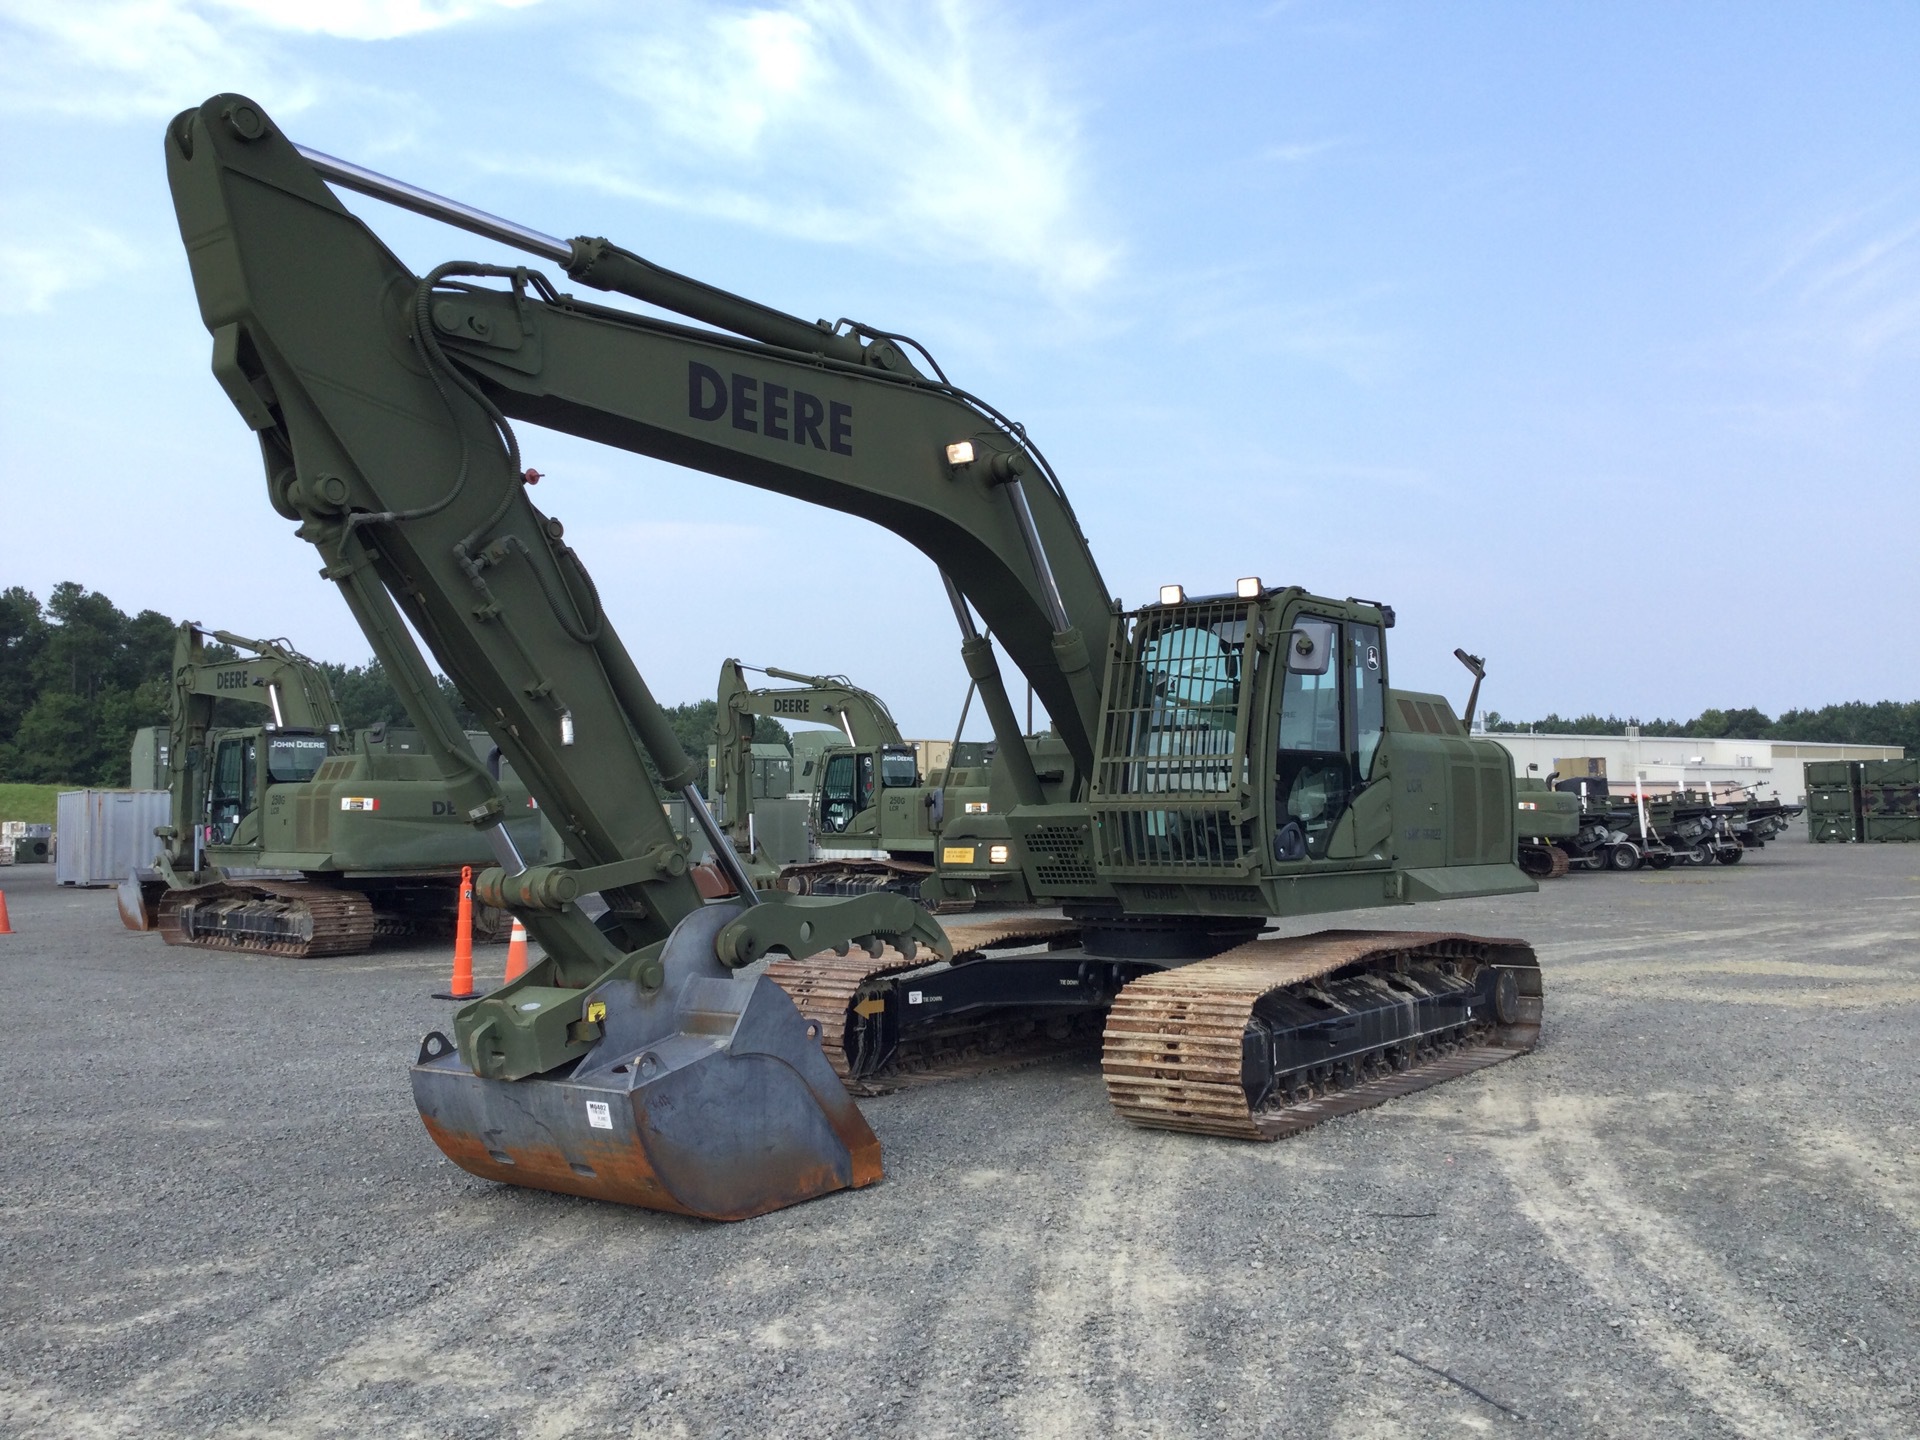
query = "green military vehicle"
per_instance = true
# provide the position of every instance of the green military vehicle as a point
(1228, 757)
(292, 837)
(870, 809)
(1547, 828)
(880, 816)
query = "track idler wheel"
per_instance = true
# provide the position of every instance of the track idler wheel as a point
(709, 1096)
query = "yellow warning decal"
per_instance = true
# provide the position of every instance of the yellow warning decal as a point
(596, 1010)
(956, 855)
(870, 1007)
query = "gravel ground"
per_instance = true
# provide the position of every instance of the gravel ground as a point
(1692, 1212)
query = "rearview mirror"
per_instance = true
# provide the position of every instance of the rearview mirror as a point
(1310, 647)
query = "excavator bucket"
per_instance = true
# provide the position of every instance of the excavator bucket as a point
(139, 902)
(709, 1096)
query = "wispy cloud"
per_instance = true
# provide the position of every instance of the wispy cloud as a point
(1851, 280)
(930, 127)
(367, 19)
(40, 270)
(118, 60)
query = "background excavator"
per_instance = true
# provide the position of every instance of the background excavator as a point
(880, 817)
(1226, 758)
(871, 809)
(292, 837)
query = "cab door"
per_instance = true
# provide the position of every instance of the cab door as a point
(227, 790)
(1368, 824)
(1327, 743)
(846, 794)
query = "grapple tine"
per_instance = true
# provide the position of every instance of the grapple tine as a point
(709, 1097)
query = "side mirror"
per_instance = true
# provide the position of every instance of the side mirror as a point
(1310, 647)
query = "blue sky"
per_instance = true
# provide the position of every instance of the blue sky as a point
(1586, 336)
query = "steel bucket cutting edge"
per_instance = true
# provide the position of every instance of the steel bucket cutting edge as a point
(137, 911)
(708, 1097)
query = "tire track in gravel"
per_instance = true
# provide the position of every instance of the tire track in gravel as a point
(418, 1346)
(1642, 1266)
(1106, 1294)
(1888, 1178)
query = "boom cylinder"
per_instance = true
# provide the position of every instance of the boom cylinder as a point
(601, 264)
(976, 652)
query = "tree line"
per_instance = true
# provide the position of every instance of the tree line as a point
(78, 676)
(1855, 722)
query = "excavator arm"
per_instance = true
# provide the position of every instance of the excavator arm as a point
(393, 454)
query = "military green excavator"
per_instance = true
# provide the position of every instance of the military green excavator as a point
(878, 820)
(1230, 757)
(293, 837)
(872, 825)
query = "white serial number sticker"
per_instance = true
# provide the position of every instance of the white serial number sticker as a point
(598, 1115)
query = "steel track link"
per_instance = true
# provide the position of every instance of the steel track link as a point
(827, 989)
(1175, 1044)
(1554, 858)
(263, 917)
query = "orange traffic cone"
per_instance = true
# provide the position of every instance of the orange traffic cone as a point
(5, 928)
(516, 952)
(461, 987)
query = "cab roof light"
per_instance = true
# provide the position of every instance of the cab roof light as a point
(1173, 595)
(1248, 587)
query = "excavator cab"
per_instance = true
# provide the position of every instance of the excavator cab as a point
(246, 763)
(853, 783)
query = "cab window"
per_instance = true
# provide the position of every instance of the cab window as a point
(294, 758)
(1367, 681)
(232, 793)
(897, 768)
(1313, 761)
(838, 804)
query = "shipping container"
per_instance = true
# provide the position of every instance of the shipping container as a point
(105, 834)
(1832, 774)
(1883, 828)
(1838, 828)
(1890, 772)
(149, 758)
(1889, 799)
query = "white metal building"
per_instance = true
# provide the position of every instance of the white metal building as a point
(1669, 762)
